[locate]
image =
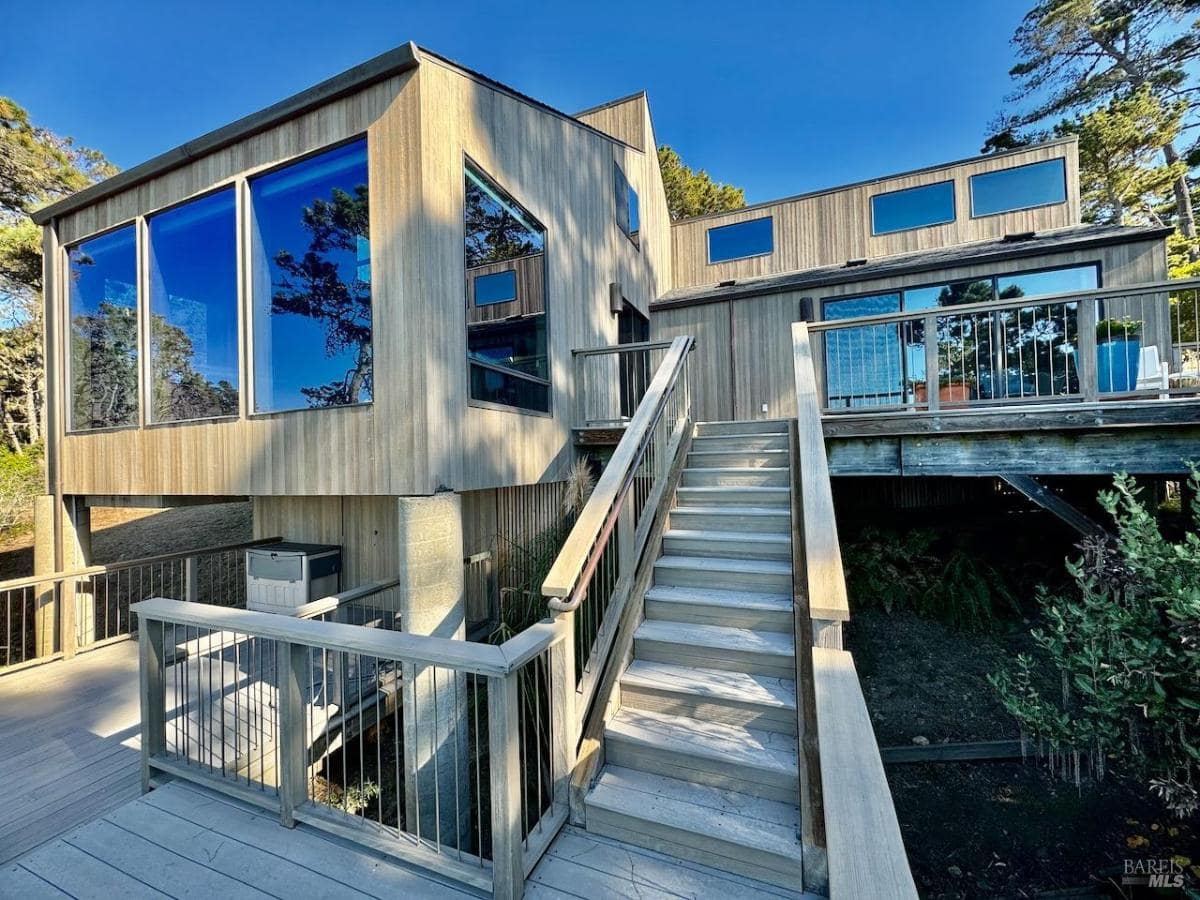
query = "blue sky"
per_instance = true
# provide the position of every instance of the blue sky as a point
(778, 97)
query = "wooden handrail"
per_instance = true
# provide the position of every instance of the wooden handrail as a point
(1135, 290)
(33, 580)
(621, 348)
(824, 574)
(464, 656)
(569, 565)
(324, 605)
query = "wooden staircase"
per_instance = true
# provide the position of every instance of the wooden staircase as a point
(700, 759)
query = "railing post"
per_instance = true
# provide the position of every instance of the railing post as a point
(508, 865)
(152, 694)
(290, 661)
(1089, 380)
(191, 579)
(563, 693)
(932, 379)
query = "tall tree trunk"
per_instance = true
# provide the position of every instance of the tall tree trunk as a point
(1183, 204)
(33, 415)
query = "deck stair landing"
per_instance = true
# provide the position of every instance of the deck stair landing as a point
(701, 757)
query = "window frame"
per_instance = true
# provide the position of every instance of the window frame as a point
(246, 279)
(235, 186)
(875, 232)
(469, 162)
(1062, 162)
(708, 241)
(63, 305)
(994, 277)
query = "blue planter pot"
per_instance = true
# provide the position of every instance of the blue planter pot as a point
(1117, 365)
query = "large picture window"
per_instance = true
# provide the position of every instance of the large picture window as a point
(506, 307)
(311, 292)
(102, 295)
(193, 310)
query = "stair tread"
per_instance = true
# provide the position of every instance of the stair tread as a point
(732, 510)
(749, 748)
(731, 816)
(730, 488)
(719, 637)
(755, 537)
(742, 600)
(725, 564)
(742, 687)
(739, 469)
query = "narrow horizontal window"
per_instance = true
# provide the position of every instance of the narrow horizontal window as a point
(919, 207)
(854, 307)
(102, 296)
(1021, 187)
(498, 287)
(956, 294)
(742, 239)
(310, 265)
(193, 310)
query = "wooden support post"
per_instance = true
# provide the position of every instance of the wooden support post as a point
(932, 374)
(191, 579)
(1085, 356)
(508, 867)
(564, 726)
(292, 660)
(152, 694)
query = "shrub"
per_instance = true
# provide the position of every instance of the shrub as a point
(1126, 642)
(20, 482)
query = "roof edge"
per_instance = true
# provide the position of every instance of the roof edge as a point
(837, 188)
(1000, 253)
(385, 65)
(599, 106)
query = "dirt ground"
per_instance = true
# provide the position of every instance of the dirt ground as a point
(121, 534)
(994, 829)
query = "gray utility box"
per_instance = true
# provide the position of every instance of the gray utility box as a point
(282, 577)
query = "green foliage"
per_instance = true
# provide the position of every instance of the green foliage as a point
(892, 570)
(1126, 642)
(693, 192)
(1123, 72)
(36, 167)
(20, 482)
(522, 603)
(1118, 329)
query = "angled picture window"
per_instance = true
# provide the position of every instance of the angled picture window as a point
(506, 305)
(1021, 187)
(102, 296)
(919, 207)
(499, 287)
(310, 257)
(628, 211)
(740, 240)
(193, 310)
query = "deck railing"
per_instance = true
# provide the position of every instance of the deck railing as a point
(36, 623)
(450, 754)
(1092, 346)
(610, 382)
(591, 579)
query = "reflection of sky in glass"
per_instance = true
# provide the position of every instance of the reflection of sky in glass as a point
(103, 270)
(290, 349)
(1039, 284)
(1037, 184)
(752, 238)
(853, 307)
(917, 207)
(193, 280)
(498, 287)
(949, 294)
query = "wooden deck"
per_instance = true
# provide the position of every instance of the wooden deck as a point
(73, 823)
(69, 745)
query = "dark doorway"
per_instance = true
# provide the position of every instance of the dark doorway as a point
(633, 328)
